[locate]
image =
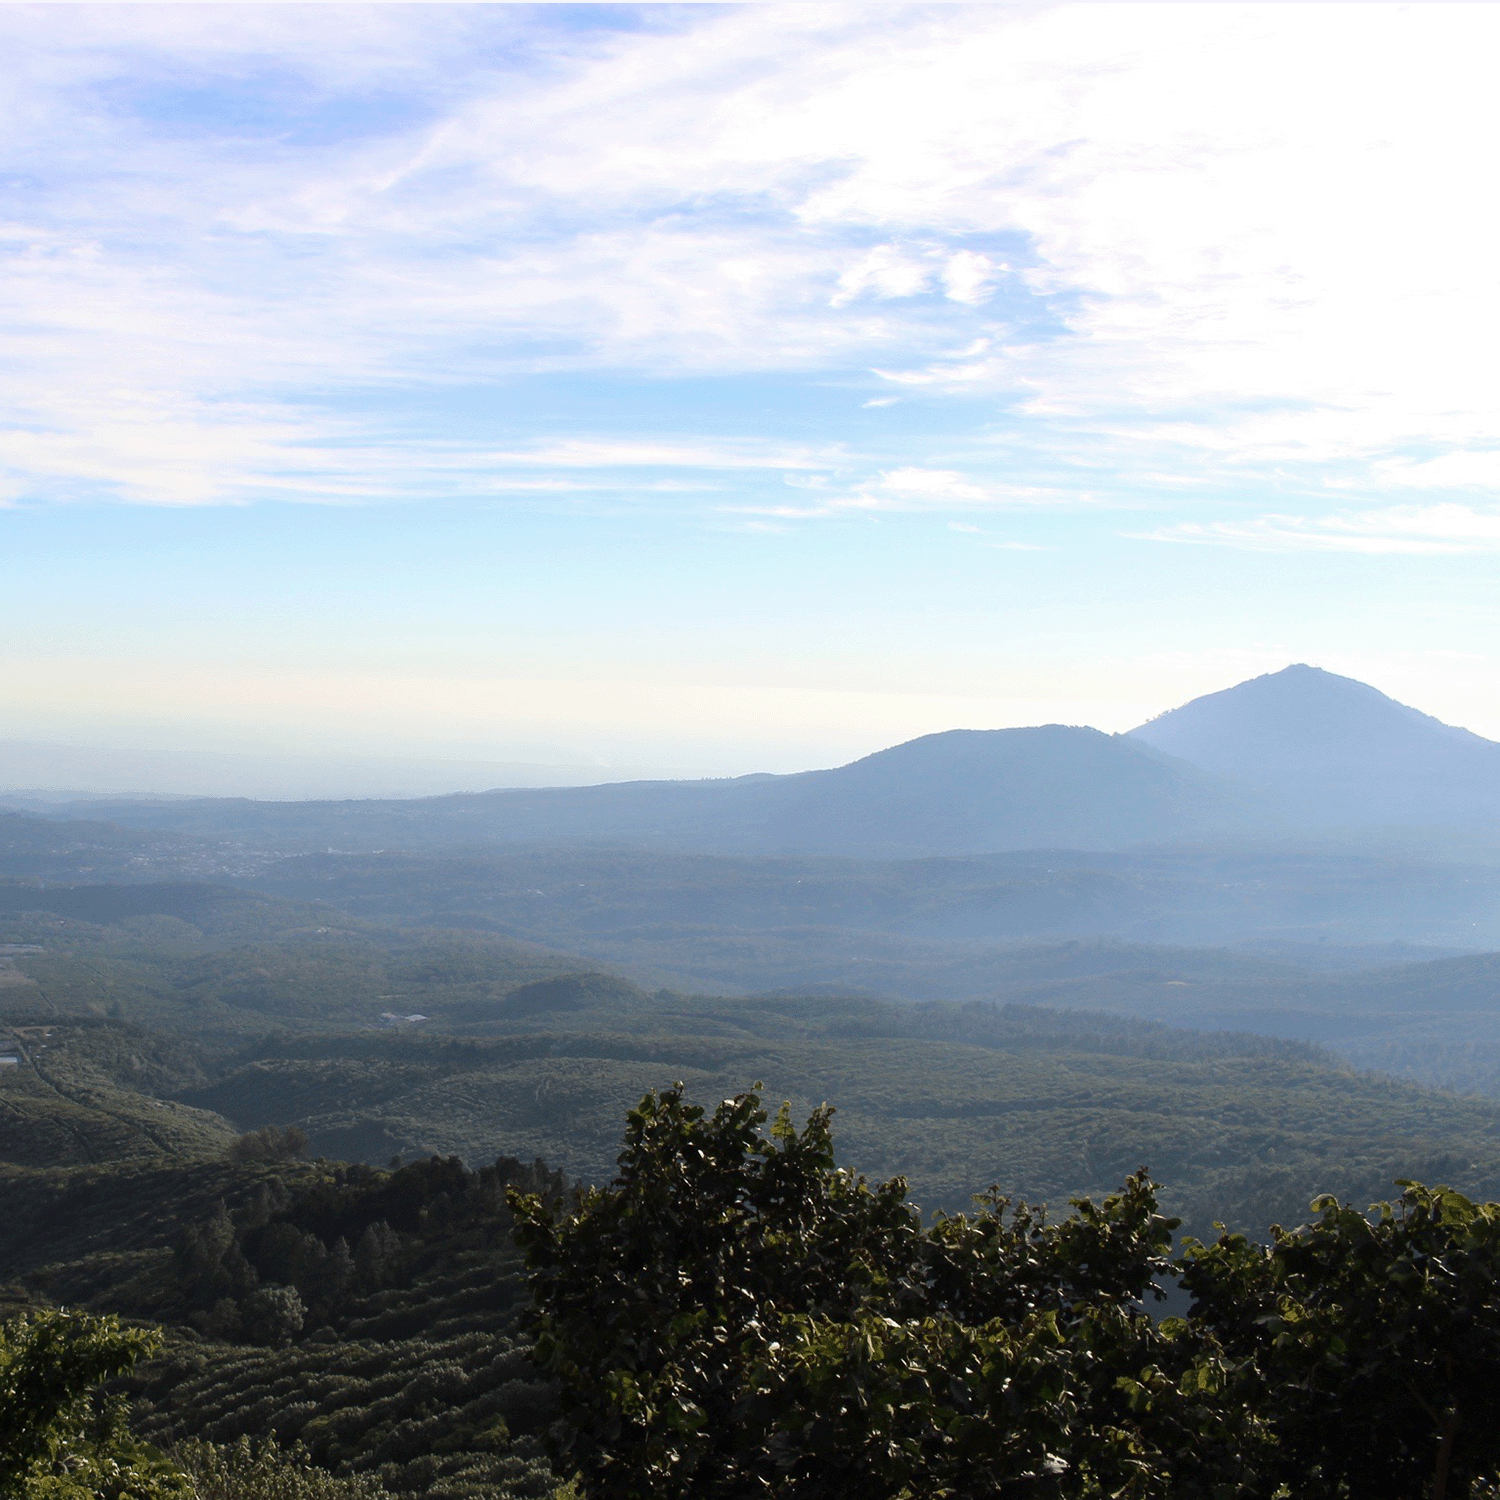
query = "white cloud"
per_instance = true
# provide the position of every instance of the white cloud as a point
(969, 276)
(1412, 529)
(911, 489)
(939, 485)
(884, 272)
(1192, 237)
(1457, 471)
(580, 454)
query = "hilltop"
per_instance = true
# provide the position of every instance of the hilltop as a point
(1329, 749)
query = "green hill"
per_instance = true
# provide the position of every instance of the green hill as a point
(222, 965)
(957, 1098)
(371, 1315)
(83, 1090)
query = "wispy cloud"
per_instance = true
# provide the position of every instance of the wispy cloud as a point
(582, 454)
(911, 490)
(1414, 529)
(1154, 237)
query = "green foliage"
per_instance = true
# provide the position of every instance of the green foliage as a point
(1372, 1342)
(269, 1144)
(409, 1367)
(253, 966)
(248, 1470)
(369, 1315)
(1047, 1104)
(455, 1412)
(90, 1089)
(56, 1443)
(654, 1293)
(736, 1317)
(736, 1308)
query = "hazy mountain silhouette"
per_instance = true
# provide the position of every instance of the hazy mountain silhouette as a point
(975, 791)
(961, 792)
(1330, 750)
(1296, 754)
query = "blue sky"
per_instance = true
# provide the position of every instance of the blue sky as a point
(714, 388)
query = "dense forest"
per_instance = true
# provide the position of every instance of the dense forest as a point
(1042, 1103)
(297, 1155)
(371, 1319)
(733, 1316)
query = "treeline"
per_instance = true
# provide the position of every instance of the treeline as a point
(382, 1311)
(1046, 1103)
(327, 1245)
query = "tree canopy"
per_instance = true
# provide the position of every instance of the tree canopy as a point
(736, 1317)
(57, 1441)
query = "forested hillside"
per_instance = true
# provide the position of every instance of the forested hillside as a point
(955, 1097)
(178, 1044)
(152, 1155)
(372, 1316)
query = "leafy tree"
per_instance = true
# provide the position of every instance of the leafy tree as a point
(261, 1471)
(273, 1314)
(56, 1442)
(269, 1144)
(1371, 1342)
(736, 1315)
(656, 1295)
(1034, 1370)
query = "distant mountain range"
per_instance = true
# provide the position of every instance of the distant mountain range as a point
(962, 792)
(1294, 753)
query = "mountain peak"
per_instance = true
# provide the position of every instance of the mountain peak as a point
(1337, 740)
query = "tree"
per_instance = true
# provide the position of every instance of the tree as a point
(1371, 1342)
(655, 1296)
(58, 1440)
(269, 1144)
(272, 1314)
(736, 1316)
(262, 1471)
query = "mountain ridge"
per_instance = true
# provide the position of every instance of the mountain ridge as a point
(961, 791)
(1292, 755)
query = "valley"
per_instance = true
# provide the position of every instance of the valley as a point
(245, 1034)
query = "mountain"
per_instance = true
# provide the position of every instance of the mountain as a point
(1331, 750)
(961, 792)
(1296, 753)
(977, 791)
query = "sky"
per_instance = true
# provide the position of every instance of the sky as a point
(435, 394)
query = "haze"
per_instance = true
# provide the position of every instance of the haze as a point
(409, 398)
